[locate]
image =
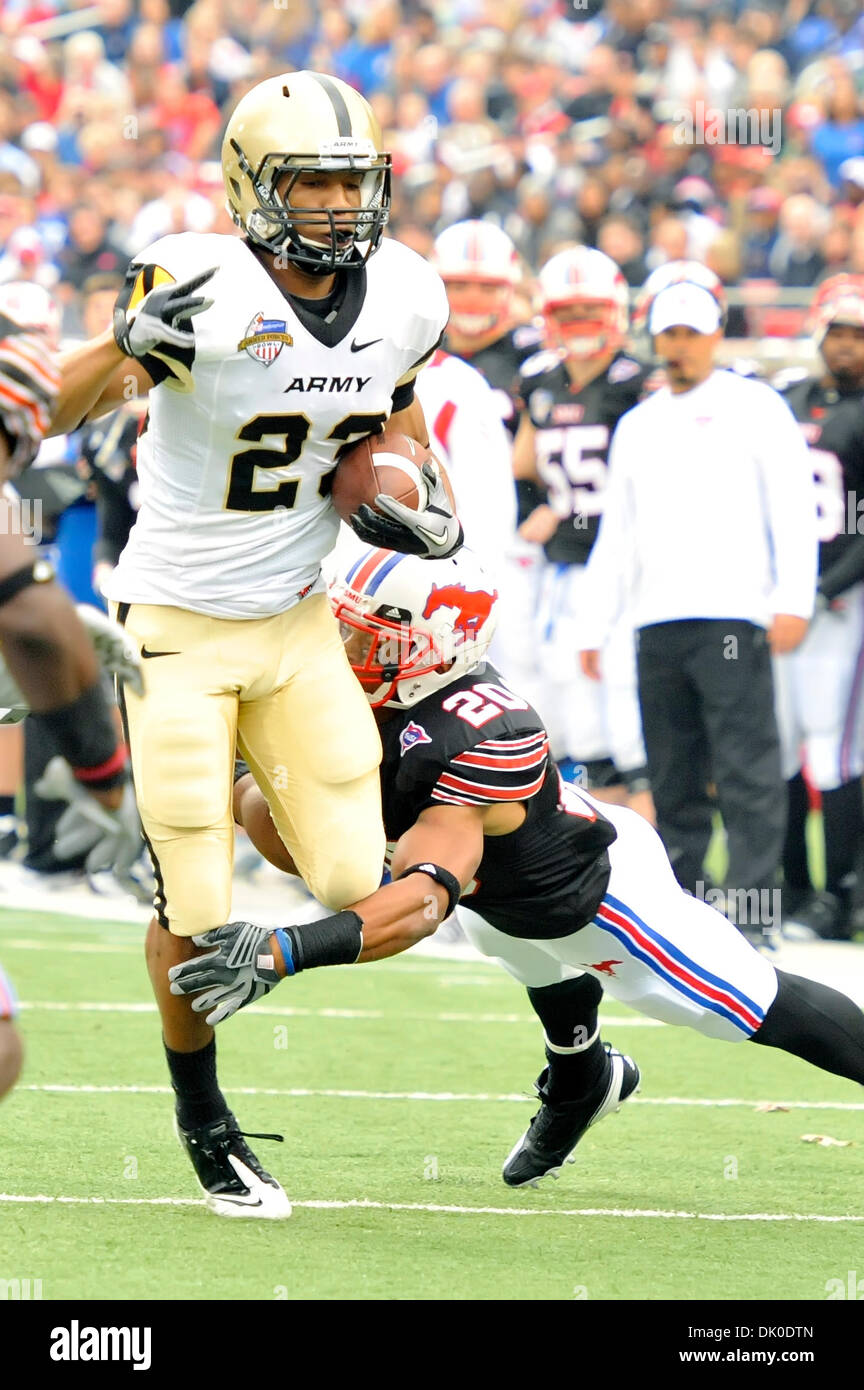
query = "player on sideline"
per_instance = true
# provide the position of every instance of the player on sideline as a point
(575, 393)
(481, 270)
(45, 646)
(819, 707)
(307, 335)
(571, 895)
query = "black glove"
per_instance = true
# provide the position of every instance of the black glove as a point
(433, 533)
(156, 321)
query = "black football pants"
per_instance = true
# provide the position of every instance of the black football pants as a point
(707, 697)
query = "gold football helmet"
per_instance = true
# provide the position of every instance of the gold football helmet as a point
(306, 122)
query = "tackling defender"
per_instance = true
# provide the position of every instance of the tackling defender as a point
(819, 706)
(308, 336)
(571, 895)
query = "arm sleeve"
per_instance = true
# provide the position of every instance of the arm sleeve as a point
(511, 767)
(612, 565)
(790, 509)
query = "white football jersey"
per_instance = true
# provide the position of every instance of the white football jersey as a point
(236, 460)
(467, 434)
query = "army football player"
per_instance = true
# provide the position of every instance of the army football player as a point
(575, 393)
(45, 646)
(571, 895)
(266, 356)
(819, 703)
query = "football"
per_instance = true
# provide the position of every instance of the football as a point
(388, 462)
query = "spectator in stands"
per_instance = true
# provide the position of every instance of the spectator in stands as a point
(620, 239)
(797, 259)
(760, 238)
(89, 250)
(842, 135)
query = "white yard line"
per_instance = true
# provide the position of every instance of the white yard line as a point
(67, 1006)
(300, 1092)
(364, 1204)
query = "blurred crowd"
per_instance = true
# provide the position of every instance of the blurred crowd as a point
(731, 132)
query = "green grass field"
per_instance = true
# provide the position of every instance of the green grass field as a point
(396, 1184)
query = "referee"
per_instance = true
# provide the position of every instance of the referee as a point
(709, 538)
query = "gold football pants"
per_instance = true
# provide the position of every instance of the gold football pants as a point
(279, 690)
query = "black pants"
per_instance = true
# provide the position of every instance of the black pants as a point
(707, 698)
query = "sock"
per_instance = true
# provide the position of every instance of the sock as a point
(817, 1023)
(795, 871)
(193, 1076)
(843, 823)
(7, 806)
(574, 1052)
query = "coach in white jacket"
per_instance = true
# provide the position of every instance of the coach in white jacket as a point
(709, 537)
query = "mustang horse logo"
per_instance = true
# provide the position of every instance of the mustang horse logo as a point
(473, 605)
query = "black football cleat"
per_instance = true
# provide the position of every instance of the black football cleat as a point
(232, 1180)
(556, 1129)
(823, 917)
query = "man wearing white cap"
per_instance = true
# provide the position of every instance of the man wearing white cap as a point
(710, 531)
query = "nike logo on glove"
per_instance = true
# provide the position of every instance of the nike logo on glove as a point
(358, 347)
(145, 653)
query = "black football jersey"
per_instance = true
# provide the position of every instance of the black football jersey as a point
(833, 425)
(474, 743)
(500, 363)
(573, 432)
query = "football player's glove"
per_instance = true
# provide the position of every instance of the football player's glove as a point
(110, 839)
(433, 533)
(118, 656)
(239, 970)
(158, 320)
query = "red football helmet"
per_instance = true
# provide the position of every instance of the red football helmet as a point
(479, 266)
(583, 278)
(839, 299)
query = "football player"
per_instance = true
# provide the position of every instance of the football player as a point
(572, 896)
(819, 703)
(481, 270)
(266, 356)
(575, 393)
(45, 646)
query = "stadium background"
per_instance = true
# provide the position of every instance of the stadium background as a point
(561, 123)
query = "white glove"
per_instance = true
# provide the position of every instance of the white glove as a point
(117, 653)
(110, 839)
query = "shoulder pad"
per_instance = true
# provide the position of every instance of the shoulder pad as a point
(788, 377)
(623, 369)
(538, 364)
(527, 335)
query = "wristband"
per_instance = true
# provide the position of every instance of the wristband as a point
(336, 940)
(40, 572)
(84, 733)
(442, 876)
